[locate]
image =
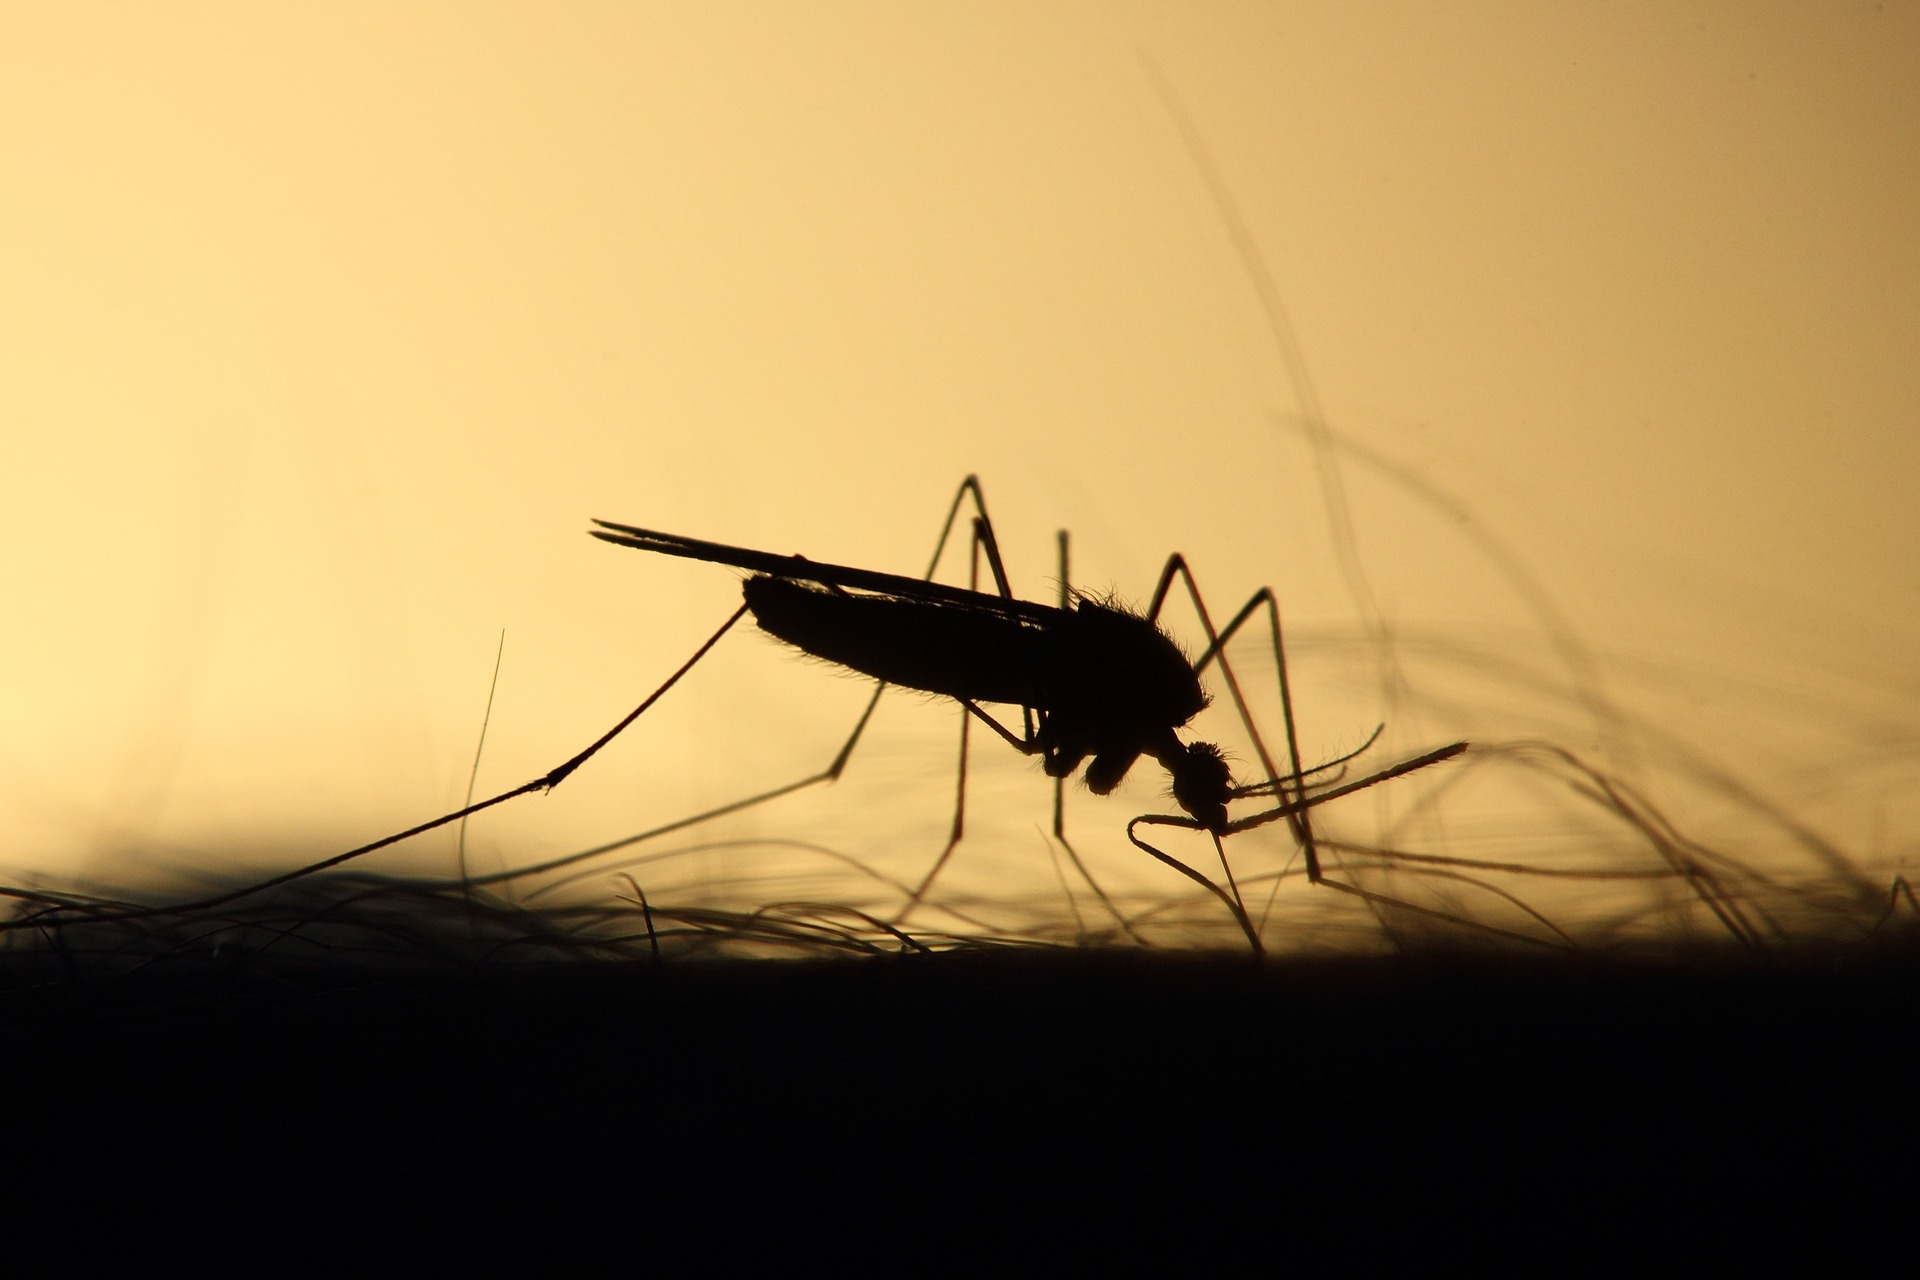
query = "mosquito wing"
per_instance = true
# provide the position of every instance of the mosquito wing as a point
(801, 569)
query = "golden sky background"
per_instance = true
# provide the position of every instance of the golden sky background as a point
(326, 329)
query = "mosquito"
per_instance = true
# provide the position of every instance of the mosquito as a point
(1096, 684)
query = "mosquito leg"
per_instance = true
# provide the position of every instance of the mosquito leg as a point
(1301, 804)
(1376, 901)
(1232, 900)
(1025, 746)
(971, 485)
(954, 834)
(1233, 888)
(1292, 781)
(1028, 746)
(560, 774)
(986, 543)
(1060, 783)
(982, 540)
(1288, 810)
(545, 782)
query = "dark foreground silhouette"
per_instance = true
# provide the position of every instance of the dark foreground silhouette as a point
(1410, 1107)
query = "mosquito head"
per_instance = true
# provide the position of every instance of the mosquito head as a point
(1201, 782)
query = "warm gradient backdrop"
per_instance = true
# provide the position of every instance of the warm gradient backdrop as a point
(323, 331)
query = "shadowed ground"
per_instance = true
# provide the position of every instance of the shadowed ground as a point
(1412, 1106)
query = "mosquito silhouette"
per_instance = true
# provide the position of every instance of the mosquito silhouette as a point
(1096, 684)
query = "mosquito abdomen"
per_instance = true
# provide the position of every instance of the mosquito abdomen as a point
(961, 652)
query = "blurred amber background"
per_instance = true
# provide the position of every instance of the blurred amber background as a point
(327, 328)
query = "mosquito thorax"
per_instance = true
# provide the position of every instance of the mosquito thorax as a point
(1117, 665)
